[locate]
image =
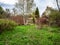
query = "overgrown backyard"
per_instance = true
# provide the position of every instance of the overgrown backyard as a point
(29, 22)
(29, 35)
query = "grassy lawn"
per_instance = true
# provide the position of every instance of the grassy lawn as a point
(29, 35)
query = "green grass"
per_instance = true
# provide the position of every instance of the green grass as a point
(29, 35)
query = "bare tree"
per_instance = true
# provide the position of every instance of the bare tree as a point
(30, 5)
(20, 6)
(14, 11)
(58, 4)
(8, 12)
(24, 6)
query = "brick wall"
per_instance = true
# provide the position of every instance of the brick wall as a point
(18, 19)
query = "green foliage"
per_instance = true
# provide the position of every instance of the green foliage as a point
(6, 25)
(54, 17)
(33, 20)
(37, 13)
(1, 10)
(4, 14)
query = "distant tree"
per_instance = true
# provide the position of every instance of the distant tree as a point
(14, 11)
(54, 17)
(30, 5)
(7, 13)
(25, 6)
(37, 13)
(7, 10)
(33, 16)
(1, 10)
(58, 4)
(2, 13)
(20, 6)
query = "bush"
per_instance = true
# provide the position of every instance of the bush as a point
(6, 24)
(54, 18)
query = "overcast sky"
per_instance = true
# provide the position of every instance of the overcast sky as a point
(41, 4)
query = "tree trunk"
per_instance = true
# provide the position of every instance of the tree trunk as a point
(58, 5)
